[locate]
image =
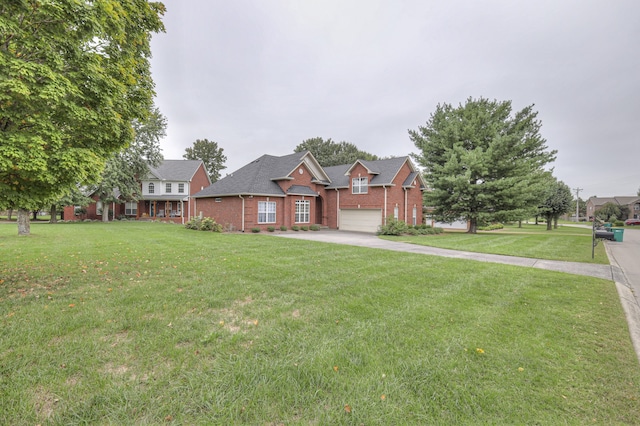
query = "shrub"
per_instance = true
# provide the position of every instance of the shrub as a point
(271, 228)
(393, 227)
(203, 224)
(315, 227)
(618, 223)
(295, 228)
(304, 228)
(283, 228)
(255, 230)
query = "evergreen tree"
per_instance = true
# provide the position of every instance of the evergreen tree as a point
(481, 162)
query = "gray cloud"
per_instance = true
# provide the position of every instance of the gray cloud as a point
(260, 77)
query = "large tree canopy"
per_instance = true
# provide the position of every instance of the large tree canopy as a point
(211, 155)
(329, 153)
(73, 77)
(121, 176)
(481, 162)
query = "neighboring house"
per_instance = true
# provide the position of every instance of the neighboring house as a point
(166, 194)
(631, 202)
(168, 189)
(295, 190)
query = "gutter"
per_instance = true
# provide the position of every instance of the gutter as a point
(242, 198)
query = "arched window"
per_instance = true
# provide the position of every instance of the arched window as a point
(151, 188)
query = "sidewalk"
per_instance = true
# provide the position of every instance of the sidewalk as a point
(624, 269)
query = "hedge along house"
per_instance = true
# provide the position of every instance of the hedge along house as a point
(295, 190)
(168, 189)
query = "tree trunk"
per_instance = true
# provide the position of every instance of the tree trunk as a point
(54, 214)
(555, 222)
(536, 219)
(105, 211)
(473, 226)
(35, 215)
(520, 223)
(24, 226)
(10, 213)
(549, 220)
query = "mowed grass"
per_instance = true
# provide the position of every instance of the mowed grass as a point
(566, 243)
(148, 323)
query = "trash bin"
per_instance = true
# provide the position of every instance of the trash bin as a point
(618, 233)
(606, 225)
(608, 228)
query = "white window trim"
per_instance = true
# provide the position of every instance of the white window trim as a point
(167, 187)
(362, 185)
(181, 188)
(132, 211)
(303, 210)
(264, 208)
(151, 188)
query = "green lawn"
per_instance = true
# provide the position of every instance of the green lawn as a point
(533, 241)
(149, 323)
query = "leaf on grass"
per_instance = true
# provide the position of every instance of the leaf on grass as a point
(347, 408)
(335, 368)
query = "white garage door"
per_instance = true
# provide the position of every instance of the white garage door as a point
(361, 220)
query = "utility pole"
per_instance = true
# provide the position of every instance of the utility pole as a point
(577, 203)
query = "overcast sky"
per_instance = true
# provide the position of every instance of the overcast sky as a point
(259, 77)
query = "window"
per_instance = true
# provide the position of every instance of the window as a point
(360, 185)
(302, 211)
(152, 188)
(395, 212)
(415, 215)
(168, 188)
(131, 208)
(181, 188)
(266, 212)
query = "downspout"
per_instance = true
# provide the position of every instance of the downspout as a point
(337, 209)
(242, 212)
(405, 205)
(385, 205)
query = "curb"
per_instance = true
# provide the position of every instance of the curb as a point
(627, 300)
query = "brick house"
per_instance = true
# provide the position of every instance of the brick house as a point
(166, 194)
(631, 202)
(295, 190)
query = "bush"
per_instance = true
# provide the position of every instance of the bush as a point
(255, 230)
(304, 228)
(618, 223)
(203, 224)
(393, 227)
(315, 227)
(271, 228)
(295, 228)
(283, 228)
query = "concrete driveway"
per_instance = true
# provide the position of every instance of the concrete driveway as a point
(624, 269)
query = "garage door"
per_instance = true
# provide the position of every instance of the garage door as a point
(361, 220)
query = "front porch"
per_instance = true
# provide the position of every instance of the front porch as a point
(167, 210)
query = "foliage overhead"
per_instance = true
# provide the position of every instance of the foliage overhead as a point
(482, 163)
(73, 77)
(123, 171)
(329, 153)
(211, 155)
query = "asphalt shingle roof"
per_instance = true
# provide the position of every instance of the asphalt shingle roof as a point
(255, 178)
(259, 176)
(175, 170)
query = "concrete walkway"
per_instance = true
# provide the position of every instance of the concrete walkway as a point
(624, 269)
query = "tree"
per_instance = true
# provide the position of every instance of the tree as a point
(120, 178)
(329, 153)
(481, 162)
(609, 212)
(556, 203)
(73, 77)
(211, 155)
